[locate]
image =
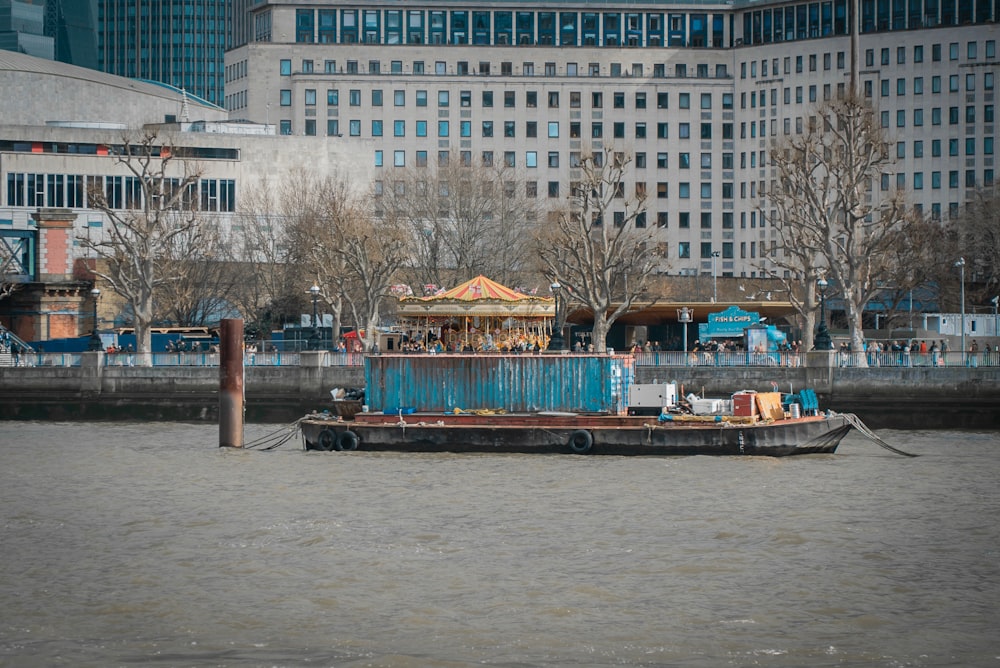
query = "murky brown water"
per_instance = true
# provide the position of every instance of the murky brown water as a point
(144, 544)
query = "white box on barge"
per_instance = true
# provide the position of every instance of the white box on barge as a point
(652, 395)
(711, 407)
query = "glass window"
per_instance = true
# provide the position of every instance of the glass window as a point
(553, 129)
(531, 159)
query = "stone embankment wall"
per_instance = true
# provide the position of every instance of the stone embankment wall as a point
(898, 397)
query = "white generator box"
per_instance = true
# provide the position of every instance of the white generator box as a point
(652, 395)
(707, 406)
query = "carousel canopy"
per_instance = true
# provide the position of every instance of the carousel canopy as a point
(478, 296)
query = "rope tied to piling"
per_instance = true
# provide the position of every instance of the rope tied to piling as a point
(856, 422)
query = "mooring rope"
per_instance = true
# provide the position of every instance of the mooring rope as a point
(276, 438)
(872, 436)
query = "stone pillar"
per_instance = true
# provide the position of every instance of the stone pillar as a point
(311, 366)
(55, 244)
(820, 366)
(91, 370)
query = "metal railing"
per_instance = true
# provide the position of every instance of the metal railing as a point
(644, 359)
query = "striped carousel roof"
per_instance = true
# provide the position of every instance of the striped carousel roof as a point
(478, 296)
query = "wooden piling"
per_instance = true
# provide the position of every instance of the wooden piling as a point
(231, 383)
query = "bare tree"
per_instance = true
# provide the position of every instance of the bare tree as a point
(465, 219)
(157, 207)
(827, 208)
(318, 209)
(916, 259)
(978, 235)
(259, 243)
(597, 246)
(795, 260)
(206, 281)
(373, 251)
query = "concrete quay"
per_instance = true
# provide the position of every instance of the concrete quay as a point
(884, 397)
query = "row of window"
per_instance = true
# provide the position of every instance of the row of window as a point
(90, 148)
(444, 129)
(770, 67)
(503, 27)
(917, 150)
(954, 116)
(619, 99)
(917, 180)
(507, 69)
(640, 130)
(822, 19)
(121, 192)
(806, 20)
(917, 86)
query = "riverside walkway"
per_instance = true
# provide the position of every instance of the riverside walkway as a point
(960, 391)
(667, 359)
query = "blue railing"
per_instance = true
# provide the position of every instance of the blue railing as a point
(644, 359)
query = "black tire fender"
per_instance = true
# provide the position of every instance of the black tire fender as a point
(326, 440)
(581, 441)
(347, 440)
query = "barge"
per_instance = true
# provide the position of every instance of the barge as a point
(579, 404)
(558, 432)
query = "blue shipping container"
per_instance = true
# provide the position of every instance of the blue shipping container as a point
(515, 383)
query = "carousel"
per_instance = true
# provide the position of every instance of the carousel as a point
(479, 315)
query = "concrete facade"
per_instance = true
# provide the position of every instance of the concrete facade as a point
(700, 110)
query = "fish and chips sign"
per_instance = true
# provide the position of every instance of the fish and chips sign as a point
(730, 323)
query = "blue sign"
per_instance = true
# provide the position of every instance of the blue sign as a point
(727, 324)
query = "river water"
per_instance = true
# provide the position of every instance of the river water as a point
(145, 544)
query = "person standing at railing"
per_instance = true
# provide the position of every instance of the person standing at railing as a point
(973, 360)
(935, 354)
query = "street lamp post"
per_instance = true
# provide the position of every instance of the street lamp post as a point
(684, 316)
(314, 336)
(961, 279)
(556, 342)
(715, 279)
(822, 340)
(95, 338)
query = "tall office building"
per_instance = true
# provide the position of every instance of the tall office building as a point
(696, 90)
(177, 42)
(73, 26)
(22, 28)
